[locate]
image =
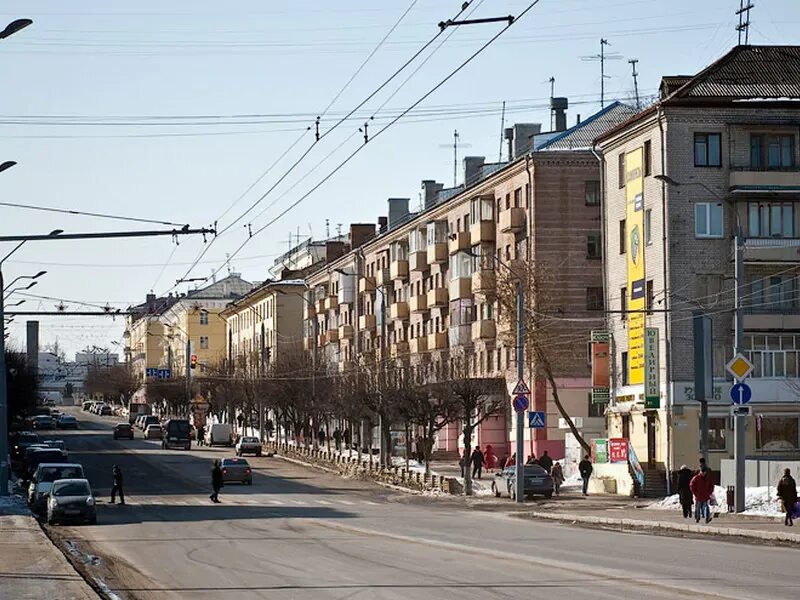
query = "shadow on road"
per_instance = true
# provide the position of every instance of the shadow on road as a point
(128, 514)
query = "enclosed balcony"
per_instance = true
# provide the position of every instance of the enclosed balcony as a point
(482, 232)
(458, 242)
(331, 302)
(366, 285)
(772, 250)
(512, 220)
(398, 269)
(483, 282)
(321, 305)
(418, 345)
(437, 253)
(367, 322)
(345, 332)
(418, 304)
(418, 261)
(460, 288)
(437, 297)
(382, 277)
(460, 335)
(322, 340)
(399, 349)
(333, 335)
(748, 179)
(311, 311)
(437, 341)
(398, 310)
(484, 329)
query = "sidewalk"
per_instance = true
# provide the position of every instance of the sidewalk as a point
(32, 567)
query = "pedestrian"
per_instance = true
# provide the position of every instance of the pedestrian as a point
(321, 436)
(532, 460)
(511, 461)
(702, 487)
(787, 492)
(702, 465)
(546, 462)
(346, 438)
(477, 460)
(462, 463)
(489, 458)
(684, 492)
(337, 439)
(201, 436)
(216, 481)
(558, 477)
(116, 488)
(585, 468)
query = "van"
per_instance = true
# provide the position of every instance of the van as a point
(219, 434)
(177, 433)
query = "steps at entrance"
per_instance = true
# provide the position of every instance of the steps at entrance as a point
(655, 483)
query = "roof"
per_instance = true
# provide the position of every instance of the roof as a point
(581, 136)
(232, 286)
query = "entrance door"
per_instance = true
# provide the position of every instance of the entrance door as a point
(651, 440)
(626, 427)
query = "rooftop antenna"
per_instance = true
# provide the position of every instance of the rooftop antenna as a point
(228, 262)
(633, 62)
(502, 129)
(603, 57)
(552, 82)
(455, 145)
(338, 230)
(744, 21)
(327, 229)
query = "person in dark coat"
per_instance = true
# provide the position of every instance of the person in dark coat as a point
(546, 462)
(684, 493)
(201, 436)
(477, 462)
(116, 488)
(532, 460)
(558, 477)
(419, 450)
(216, 481)
(337, 439)
(787, 492)
(585, 468)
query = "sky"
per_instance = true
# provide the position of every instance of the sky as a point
(190, 111)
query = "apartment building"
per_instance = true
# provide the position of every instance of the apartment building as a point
(425, 289)
(717, 152)
(144, 335)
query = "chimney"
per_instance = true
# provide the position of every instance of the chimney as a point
(559, 108)
(508, 134)
(333, 250)
(431, 191)
(578, 119)
(473, 169)
(523, 132)
(360, 234)
(398, 211)
(383, 225)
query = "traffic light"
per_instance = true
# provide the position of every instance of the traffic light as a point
(193, 363)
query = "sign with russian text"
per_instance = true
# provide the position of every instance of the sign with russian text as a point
(652, 384)
(634, 240)
(618, 450)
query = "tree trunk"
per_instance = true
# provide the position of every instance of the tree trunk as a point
(467, 453)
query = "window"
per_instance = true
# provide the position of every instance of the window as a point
(717, 430)
(649, 295)
(621, 170)
(624, 360)
(594, 298)
(596, 409)
(481, 209)
(772, 294)
(648, 159)
(518, 197)
(461, 265)
(648, 227)
(622, 236)
(204, 342)
(203, 317)
(707, 150)
(771, 151)
(708, 220)
(778, 434)
(770, 219)
(593, 246)
(436, 233)
(623, 302)
(592, 193)
(508, 201)
(773, 355)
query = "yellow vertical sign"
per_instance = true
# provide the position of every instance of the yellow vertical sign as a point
(634, 234)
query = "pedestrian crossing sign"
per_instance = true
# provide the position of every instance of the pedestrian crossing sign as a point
(536, 420)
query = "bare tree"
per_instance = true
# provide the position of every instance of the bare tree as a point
(115, 383)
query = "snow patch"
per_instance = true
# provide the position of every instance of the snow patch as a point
(13, 504)
(758, 501)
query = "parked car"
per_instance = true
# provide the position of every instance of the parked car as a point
(248, 445)
(149, 420)
(67, 422)
(87, 405)
(153, 432)
(105, 411)
(36, 455)
(42, 422)
(20, 442)
(43, 478)
(219, 434)
(55, 444)
(537, 481)
(177, 433)
(71, 500)
(236, 470)
(123, 430)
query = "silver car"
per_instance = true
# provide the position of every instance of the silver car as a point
(43, 478)
(236, 470)
(248, 445)
(71, 500)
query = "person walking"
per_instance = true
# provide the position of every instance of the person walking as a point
(216, 481)
(585, 468)
(558, 477)
(532, 460)
(787, 492)
(337, 439)
(511, 461)
(702, 487)
(201, 436)
(489, 458)
(477, 460)
(684, 493)
(546, 462)
(419, 450)
(116, 488)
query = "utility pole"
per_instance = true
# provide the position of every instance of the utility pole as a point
(519, 468)
(740, 420)
(744, 21)
(633, 62)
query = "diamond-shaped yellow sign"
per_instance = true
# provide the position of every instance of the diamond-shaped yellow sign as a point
(739, 366)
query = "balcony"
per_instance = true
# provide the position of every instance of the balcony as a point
(749, 179)
(418, 261)
(512, 220)
(332, 335)
(772, 250)
(484, 329)
(461, 288)
(418, 345)
(458, 242)
(482, 231)
(398, 349)
(437, 253)
(321, 305)
(382, 277)
(418, 304)
(331, 302)
(367, 322)
(345, 332)
(366, 285)
(308, 343)
(311, 311)
(322, 340)
(437, 297)
(398, 269)
(398, 310)
(437, 341)
(460, 335)
(771, 318)
(483, 282)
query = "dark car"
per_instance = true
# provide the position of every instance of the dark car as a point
(105, 411)
(42, 422)
(35, 456)
(149, 420)
(177, 433)
(20, 442)
(537, 481)
(67, 422)
(238, 470)
(123, 430)
(71, 500)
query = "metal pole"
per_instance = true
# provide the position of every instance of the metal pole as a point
(189, 370)
(520, 466)
(700, 376)
(740, 422)
(381, 445)
(4, 465)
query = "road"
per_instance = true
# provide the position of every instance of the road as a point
(297, 533)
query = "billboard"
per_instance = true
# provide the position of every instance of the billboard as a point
(652, 385)
(634, 238)
(618, 450)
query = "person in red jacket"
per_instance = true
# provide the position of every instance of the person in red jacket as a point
(702, 487)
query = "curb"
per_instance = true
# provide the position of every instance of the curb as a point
(772, 536)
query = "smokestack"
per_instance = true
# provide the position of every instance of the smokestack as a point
(509, 137)
(473, 169)
(559, 107)
(431, 191)
(32, 345)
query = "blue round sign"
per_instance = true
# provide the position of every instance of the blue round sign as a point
(741, 393)
(521, 403)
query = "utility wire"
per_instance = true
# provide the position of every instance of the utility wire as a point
(89, 214)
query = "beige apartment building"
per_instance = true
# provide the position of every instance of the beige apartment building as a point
(145, 338)
(717, 152)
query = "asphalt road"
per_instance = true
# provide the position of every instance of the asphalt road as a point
(297, 533)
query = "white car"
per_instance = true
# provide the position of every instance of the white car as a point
(248, 445)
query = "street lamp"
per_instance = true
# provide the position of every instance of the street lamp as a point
(14, 27)
(7, 165)
(17, 303)
(39, 274)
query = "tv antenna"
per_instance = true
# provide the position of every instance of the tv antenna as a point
(455, 146)
(633, 62)
(744, 21)
(502, 128)
(603, 57)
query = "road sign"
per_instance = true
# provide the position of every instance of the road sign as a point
(741, 393)
(740, 410)
(739, 366)
(536, 420)
(520, 403)
(521, 389)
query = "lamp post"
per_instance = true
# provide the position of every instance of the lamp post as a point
(14, 27)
